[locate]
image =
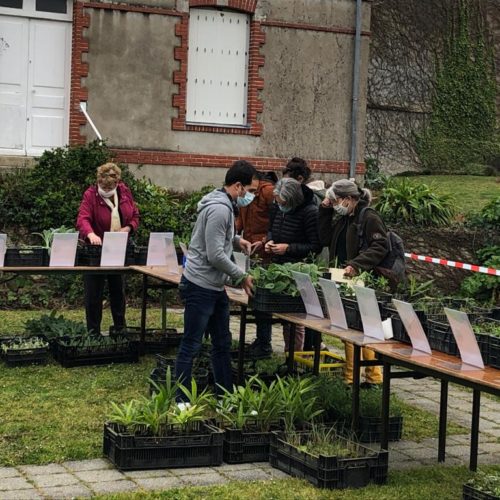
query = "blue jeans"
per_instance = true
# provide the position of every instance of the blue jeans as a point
(204, 310)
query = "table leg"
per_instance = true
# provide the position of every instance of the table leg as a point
(386, 399)
(474, 437)
(356, 376)
(291, 347)
(143, 313)
(317, 352)
(241, 346)
(443, 416)
(163, 309)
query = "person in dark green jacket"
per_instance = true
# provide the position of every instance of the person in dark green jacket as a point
(338, 223)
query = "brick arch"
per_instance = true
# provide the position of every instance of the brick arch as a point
(247, 6)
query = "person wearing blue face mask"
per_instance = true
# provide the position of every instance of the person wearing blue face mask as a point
(292, 237)
(208, 267)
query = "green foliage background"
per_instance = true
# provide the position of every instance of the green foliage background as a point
(49, 195)
(462, 135)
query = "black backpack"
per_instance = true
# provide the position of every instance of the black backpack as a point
(393, 264)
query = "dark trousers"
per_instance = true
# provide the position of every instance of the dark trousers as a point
(204, 310)
(264, 328)
(94, 288)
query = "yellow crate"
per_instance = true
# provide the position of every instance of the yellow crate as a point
(329, 363)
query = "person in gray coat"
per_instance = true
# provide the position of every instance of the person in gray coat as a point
(208, 267)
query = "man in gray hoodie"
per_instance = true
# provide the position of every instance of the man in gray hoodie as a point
(208, 266)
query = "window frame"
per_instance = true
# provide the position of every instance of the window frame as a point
(29, 10)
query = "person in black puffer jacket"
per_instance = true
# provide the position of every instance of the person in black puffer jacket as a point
(293, 236)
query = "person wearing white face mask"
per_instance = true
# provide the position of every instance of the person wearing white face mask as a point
(338, 224)
(106, 206)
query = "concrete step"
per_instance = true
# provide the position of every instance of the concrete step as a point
(13, 162)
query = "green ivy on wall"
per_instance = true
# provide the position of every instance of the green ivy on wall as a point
(461, 135)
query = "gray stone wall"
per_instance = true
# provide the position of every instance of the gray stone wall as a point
(307, 85)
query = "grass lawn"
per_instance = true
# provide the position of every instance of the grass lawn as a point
(470, 192)
(52, 414)
(425, 483)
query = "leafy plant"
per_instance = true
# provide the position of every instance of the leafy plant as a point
(374, 178)
(480, 286)
(487, 483)
(404, 201)
(52, 326)
(124, 415)
(489, 217)
(278, 278)
(47, 235)
(414, 290)
(23, 344)
(298, 395)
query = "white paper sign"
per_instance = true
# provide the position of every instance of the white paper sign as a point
(157, 249)
(171, 255)
(114, 248)
(413, 327)
(63, 250)
(3, 248)
(308, 294)
(464, 335)
(242, 261)
(333, 303)
(370, 313)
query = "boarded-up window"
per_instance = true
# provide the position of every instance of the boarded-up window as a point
(217, 67)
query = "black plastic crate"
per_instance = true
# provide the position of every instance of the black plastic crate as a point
(156, 340)
(440, 336)
(352, 314)
(370, 429)
(329, 472)
(398, 329)
(471, 493)
(26, 257)
(265, 301)
(21, 357)
(71, 356)
(494, 352)
(130, 452)
(244, 446)
(89, 255)
(200, 375)
(141, 255)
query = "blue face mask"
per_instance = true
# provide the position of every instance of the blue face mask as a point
(285, 210)
(244, 201)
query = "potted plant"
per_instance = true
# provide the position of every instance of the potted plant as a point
(248, 414)
(25, 350)
(483, 486)
(156, 340)
(326, 459)
(156, 432)
(275, 288)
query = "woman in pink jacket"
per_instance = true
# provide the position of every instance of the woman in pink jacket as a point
(106, 206)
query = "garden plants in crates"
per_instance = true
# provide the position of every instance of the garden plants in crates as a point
(158, 432)
(247, 414)
(326, 459)
(483, 486)
(24, 350)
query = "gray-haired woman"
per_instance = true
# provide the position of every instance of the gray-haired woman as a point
(293, 236)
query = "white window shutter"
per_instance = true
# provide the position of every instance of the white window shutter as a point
(217, 67)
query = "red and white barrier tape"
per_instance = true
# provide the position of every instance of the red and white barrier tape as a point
(452, 263)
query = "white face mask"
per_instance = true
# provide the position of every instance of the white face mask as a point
(341, 209)
(106, 194)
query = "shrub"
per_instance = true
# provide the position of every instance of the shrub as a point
(374, 179)
(489, 217)
(484, 287)
(404, 201)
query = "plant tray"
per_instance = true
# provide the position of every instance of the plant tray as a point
(26, 257)
(265, 301)
(398, 329)
(370, 429)
(471, 493)
(329, 471)
(158, 375)
(244, 446)
(21, 357)
(156, 340)
(70, 356)
(352, 314)
(494, 352)
(89, 255)
(329, 363)
(130, 452)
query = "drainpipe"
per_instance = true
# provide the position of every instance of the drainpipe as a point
(355, 90)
